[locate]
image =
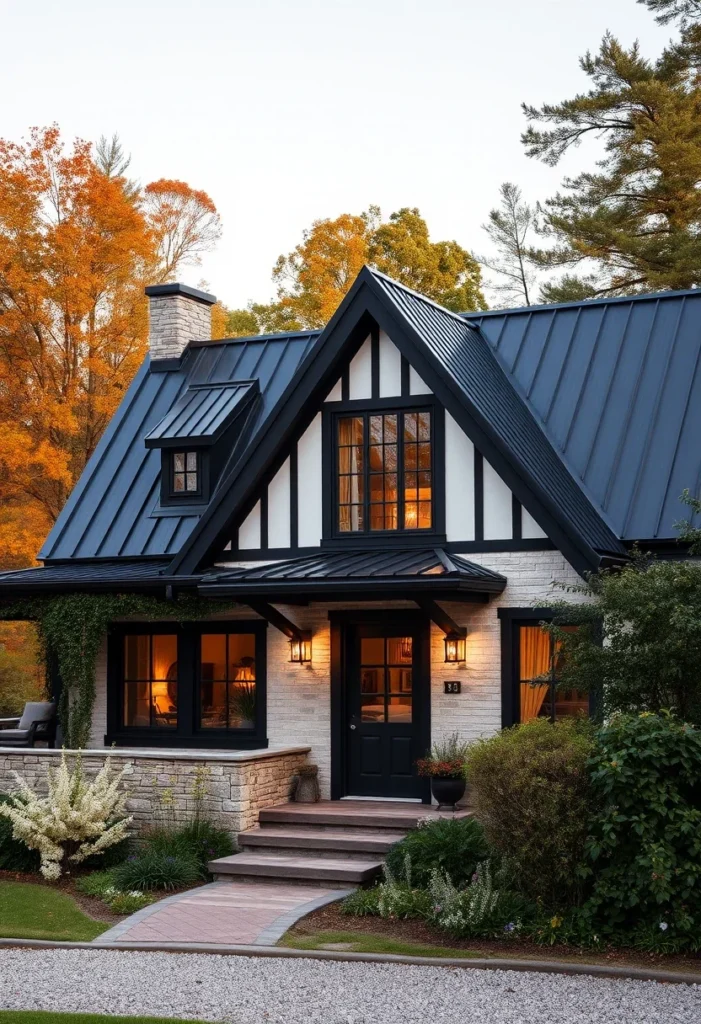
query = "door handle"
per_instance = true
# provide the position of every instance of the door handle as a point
(352, 726)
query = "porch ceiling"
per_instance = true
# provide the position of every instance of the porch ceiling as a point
(400, 573)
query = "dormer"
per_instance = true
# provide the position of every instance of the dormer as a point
(197, 438)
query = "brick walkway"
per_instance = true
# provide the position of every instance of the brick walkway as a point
(224, 913)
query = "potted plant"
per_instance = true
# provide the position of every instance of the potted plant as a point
(445, 765)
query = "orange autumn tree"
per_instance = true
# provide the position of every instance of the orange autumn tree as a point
(77, 247)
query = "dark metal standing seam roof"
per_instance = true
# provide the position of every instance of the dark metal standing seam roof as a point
(84, 574)
(398, 569)
(110, 513)
(470, 362)
(616, 385)
(202, 414)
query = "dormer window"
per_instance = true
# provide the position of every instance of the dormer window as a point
(186, 474)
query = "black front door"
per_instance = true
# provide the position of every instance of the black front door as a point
(386, 707)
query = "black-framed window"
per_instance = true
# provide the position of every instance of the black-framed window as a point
(384, 470)
(193, 684)
(532, 671)
(185, 474)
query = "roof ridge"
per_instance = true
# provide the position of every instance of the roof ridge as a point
(546, 307)
(460, 317)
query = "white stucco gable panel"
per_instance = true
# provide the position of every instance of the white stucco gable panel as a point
(390, 368)
(309, 498)
(249, 530)
(279, 508)
(459, 482)
(336, 392)
(417, 386)
(529, 528)
(498, 518)
(360, 373)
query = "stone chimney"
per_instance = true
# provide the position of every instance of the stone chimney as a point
(178, 314)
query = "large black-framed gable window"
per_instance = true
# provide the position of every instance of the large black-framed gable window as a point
(531, 666)
(384, 471)
(195, 684)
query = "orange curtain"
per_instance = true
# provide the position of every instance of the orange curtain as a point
(535, 663)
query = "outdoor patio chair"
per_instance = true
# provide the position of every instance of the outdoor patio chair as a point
(38, 722)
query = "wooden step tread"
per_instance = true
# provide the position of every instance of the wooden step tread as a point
(353, 818)
(371, 841)
(289, 867)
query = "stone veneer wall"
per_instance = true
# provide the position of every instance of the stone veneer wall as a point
(299, 699)
(162, 785)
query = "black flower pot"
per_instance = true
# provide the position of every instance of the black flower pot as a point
(447, 791)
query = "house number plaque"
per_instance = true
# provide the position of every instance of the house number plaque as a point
(451, 687)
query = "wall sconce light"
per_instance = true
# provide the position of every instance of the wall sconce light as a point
(301, 648)
(454, 648)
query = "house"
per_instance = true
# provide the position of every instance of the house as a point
(384, 507)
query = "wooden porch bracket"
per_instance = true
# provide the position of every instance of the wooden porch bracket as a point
(440, 617)
(277, 619)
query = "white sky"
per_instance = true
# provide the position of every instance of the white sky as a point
(289, 110)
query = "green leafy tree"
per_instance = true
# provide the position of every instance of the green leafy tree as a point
(636, 218)
(650, 614)
(313, 279)
(509, 228)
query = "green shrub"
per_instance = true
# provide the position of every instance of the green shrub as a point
(483, 909)
(153, 869)
(390, 899)
(112, 856)
(97, 883)
(644, 848)
(362, 903)
(198, 840)
(14, 854)
(534, 800)
(453, 845)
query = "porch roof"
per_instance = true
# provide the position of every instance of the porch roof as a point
(397, 572)
(95, 575)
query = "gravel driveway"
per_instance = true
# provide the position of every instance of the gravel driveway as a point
(249, 990)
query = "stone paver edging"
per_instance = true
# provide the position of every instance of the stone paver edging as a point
(215, 912)
(286, 953)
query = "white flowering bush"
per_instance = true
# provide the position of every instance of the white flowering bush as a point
(464, 910)
(77, 819)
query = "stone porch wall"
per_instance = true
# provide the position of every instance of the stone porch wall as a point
(162, 785)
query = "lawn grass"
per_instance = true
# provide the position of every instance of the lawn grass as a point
(44, 1017)
(354, 942)
(38, 912)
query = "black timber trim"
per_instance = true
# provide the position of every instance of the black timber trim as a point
(375, 361)
(277, 619)
(479, 495)
(405, 376)
(367, 301)
(457, 547)
(339, 623)
(440, 616)
(516, 518)
(294, 501)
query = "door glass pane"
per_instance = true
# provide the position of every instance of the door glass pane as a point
(399, 709)
(372, 650)
(372, 680)
(399, 650)
(372, 709)
(399, 680)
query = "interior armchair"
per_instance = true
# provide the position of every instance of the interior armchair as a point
(37, 723)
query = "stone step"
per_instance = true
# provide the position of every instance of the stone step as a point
(332, 842)
(328, 871)
(395, 818)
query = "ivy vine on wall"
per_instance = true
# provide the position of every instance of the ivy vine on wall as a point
(72, 628)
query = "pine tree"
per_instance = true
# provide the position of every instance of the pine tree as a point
(509, 227)
(638, 215)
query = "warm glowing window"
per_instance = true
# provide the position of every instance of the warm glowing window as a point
(185, 477)
(539, 668)
(228, 680)
(151, 680)
(385, 472)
